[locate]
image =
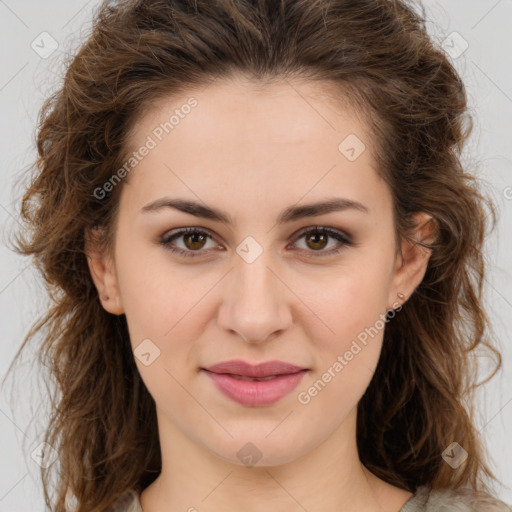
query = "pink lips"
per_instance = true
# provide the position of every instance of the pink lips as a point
(235, 380)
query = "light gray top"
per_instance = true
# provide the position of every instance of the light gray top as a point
(423, 500)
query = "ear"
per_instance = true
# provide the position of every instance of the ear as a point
(103, 273)
(412, 260)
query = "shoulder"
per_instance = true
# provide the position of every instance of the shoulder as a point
(128, 502)
(454, 500)
(424, 500)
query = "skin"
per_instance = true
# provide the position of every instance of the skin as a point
(251, 151)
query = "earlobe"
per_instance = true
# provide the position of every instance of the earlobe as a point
(103, 274)
(412, 261)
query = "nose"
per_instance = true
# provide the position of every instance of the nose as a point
(255, 303)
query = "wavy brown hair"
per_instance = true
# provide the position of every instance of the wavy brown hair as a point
(380, 59)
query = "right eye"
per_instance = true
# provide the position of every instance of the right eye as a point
(194, 240)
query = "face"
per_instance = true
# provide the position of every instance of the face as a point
(274, 279)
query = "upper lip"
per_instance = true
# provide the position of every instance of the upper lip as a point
(266, 369)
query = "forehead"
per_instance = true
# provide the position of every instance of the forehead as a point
(244, 138)
(238, 110)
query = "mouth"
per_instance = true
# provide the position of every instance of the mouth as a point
(258, 379)
(261, 371)
(256, 391)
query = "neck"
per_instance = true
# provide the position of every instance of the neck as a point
(330, 477)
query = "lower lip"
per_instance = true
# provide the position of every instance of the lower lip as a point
(253, 393)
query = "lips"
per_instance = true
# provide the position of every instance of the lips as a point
(262, 371)
(255, 385)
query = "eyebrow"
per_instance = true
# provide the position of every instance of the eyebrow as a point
(290, 214)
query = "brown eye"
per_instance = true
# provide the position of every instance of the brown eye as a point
(194, 241)
(316, 240)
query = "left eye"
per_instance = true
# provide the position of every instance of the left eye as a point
(195, 239)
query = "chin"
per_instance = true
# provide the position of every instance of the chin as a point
(259, 452)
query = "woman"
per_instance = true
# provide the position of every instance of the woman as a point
(266, 260)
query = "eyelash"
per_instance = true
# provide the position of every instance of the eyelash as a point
(345, 239)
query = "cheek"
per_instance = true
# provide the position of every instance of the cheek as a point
(167, 307)
(352, 313)
(345, 303)
(154, 296)
(163, 321)
(148, 303)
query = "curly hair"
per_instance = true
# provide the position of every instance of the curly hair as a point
(380, 58)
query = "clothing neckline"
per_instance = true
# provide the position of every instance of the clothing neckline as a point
(419, 497)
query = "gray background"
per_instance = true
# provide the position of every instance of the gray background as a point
(26, 79)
